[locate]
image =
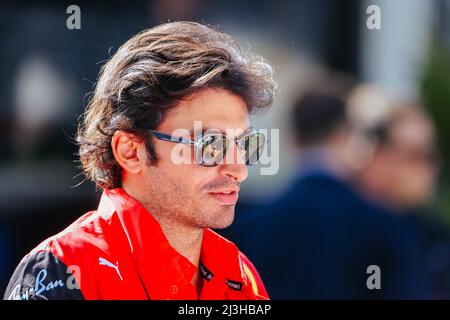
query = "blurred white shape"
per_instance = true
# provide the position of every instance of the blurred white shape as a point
(368, 105)
(41, 94)
(394, 55)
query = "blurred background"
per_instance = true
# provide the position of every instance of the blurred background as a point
(367, 109)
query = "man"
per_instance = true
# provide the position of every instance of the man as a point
(403, 170)
(150, 237)
(321, 235)
(401, 177)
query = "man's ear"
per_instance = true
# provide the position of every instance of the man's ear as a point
(125, 147)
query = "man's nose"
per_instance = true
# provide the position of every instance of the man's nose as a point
(237, 172)
(234, 164)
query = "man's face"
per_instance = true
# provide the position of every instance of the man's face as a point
(411, 155)
(405, 168)
(192, 194)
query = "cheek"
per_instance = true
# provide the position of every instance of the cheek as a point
(177, 161)
(175, 153)
(191, 176)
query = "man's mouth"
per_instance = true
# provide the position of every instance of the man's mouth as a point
(225, 197)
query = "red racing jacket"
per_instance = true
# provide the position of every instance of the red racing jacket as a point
(120, 252)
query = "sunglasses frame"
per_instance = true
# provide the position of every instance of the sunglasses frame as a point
(169, 138)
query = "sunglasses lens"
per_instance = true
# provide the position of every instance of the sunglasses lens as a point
(253, 145)
(213, 148)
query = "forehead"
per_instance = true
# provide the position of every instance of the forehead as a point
(215, 108)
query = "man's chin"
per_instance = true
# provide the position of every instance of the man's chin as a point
(223, 218)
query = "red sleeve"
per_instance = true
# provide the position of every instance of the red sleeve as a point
(255, 280)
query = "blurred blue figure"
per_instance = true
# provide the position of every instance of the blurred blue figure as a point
(319, 239)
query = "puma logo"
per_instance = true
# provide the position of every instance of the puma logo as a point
(104, 262)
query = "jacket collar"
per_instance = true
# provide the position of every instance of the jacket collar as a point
(163, 271)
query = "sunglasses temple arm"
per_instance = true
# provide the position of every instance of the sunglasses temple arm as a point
(170, 138)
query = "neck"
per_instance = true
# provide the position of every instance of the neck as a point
(324, 158)
(187, 241)
(184, 238)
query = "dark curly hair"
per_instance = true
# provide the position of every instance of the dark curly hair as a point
(150, 74)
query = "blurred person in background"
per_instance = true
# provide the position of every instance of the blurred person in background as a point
(401, 177)
(318, 240)
(403, 170)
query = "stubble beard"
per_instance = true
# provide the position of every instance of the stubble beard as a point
(172, 201)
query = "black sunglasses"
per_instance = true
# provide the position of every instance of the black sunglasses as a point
(210, 149)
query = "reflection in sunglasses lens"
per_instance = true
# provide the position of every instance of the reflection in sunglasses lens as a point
(254, 145)
(214, 148)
